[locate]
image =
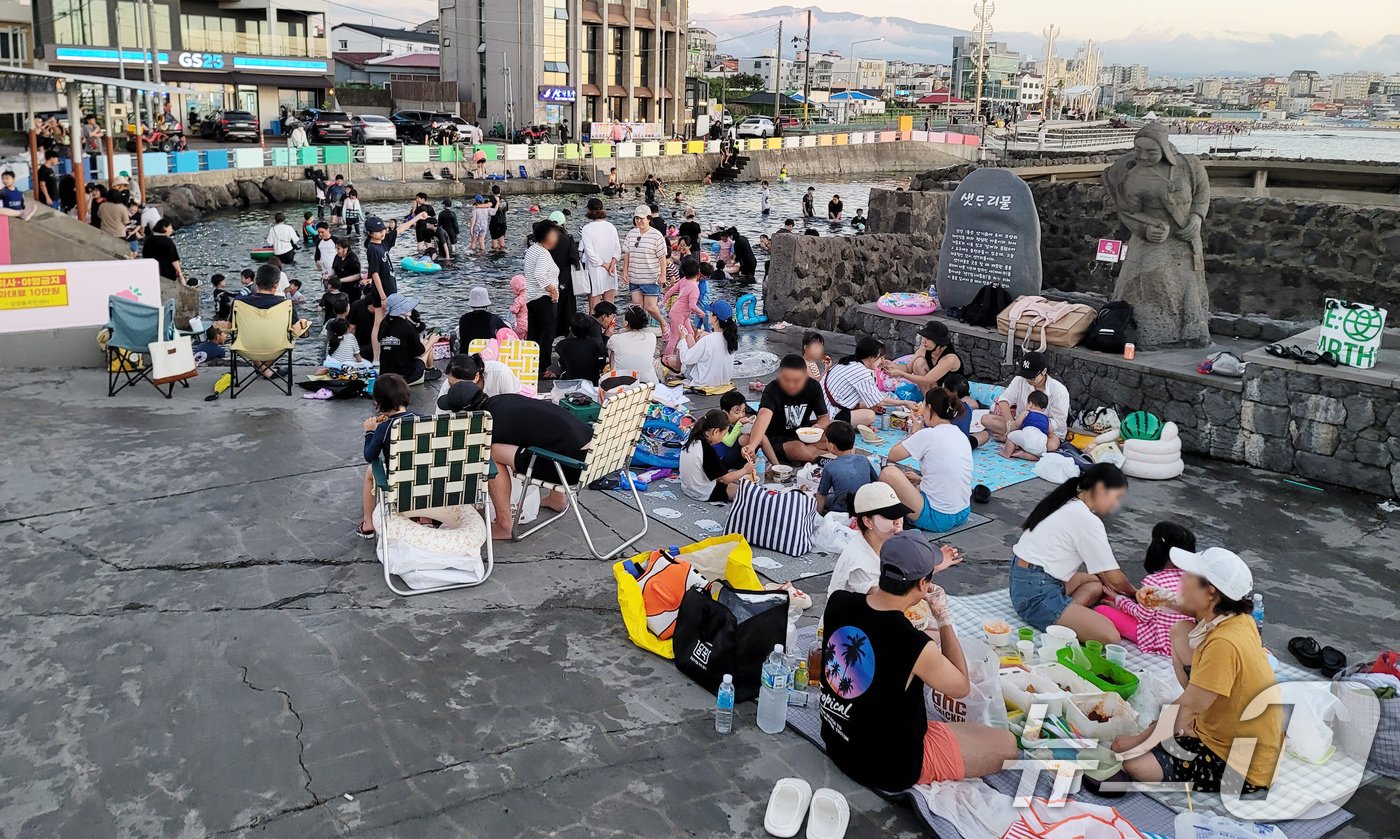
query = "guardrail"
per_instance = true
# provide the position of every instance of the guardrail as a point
(255, 157)
(1067, 139)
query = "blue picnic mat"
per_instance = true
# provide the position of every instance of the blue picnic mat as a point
(988, 466)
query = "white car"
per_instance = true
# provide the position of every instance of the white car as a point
(372, 128)
(756, 127)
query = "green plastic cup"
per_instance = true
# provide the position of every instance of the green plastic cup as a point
(1026, 633)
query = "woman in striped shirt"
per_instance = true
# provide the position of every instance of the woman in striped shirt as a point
(1148, 620)
(644, 253)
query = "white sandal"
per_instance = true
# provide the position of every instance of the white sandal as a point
(787, 806)
(830, 815)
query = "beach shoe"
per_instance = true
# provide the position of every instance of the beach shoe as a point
(1334, 661)
(829, 816)
(796, 596)
(362, 533)
(1306, 650)
(787, 806)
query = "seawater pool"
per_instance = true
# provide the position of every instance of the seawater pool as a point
(220, 243)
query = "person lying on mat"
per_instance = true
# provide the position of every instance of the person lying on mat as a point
(1032, 374)
(879, 515)
(875, 664)
(942, 499)
(391, 398)
(704, 475)
(1225, 671)
(1063, 563)
(519, 423)
(791, 401)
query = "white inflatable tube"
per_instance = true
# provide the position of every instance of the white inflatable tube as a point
(1151, 457)
(1153, 471)
(1132, 448)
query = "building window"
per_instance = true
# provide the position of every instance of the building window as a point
(82, 22)
(641, 57)
(592, 61)
(556, 43)
(619, 58)
(344, 45)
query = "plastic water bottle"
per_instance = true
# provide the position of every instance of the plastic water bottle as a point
(772, 693)
(1259, 612)
(760, 465)
(724, 706)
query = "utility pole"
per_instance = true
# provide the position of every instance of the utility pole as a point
(983, 9)
(807, 69)
(155, 54)
(1051, 33)
(777, 77)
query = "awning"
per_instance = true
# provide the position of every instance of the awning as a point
(590, 90)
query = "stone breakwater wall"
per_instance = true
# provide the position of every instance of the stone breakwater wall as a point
(1269, 263)
(1319, 427)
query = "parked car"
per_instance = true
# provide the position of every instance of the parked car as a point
(229, 125)
(418, 126)
(756, 127)
(325, 126)
(789, 122)
(372, 128)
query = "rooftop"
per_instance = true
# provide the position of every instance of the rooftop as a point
(388, 32)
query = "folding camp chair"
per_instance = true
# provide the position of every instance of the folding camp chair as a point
(433, 463)
(615, 437)
(522, 357)
(262, 337)
(132, 327)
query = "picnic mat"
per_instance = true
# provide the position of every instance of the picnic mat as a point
(1296, 780)
(988, 466)
(666, 503)
(1149, 812)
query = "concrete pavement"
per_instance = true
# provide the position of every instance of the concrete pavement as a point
(193, 643)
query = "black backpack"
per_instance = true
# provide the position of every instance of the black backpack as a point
(991, 300)
(1113, 327)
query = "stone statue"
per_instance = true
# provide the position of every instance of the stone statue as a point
(1162, 196)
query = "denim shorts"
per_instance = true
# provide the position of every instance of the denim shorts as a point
(1039, 598)
(935, 522)
(647, 289)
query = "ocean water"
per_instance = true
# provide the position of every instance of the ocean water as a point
(1321, 143)
(220, 243)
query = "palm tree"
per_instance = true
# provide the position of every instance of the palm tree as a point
(853, 651)
(845, 685)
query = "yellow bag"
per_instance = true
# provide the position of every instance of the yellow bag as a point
(726, 557)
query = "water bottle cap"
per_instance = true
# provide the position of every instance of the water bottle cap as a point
(728, 679)
(777, 648)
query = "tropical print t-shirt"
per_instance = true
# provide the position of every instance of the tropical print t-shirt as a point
(873, 717)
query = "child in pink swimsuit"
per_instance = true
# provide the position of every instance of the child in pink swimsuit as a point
(682, 301)
(517, 308)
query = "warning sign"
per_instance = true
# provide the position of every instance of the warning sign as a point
(33, 289)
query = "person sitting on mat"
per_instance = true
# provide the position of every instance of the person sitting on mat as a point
(791, 401)
(1149, 620)
(942, 499)
(740, 417)
(1032, 374)
(875, 665)
(845, 474)
(1028, 435)
(704, 475)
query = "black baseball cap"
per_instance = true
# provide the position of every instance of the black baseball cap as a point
(936, 331)
(374, 224)
(1032, 364)
(595, 204)
(459, 397)
(907, 557)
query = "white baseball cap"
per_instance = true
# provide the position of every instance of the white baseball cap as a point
(878, 499)
(642, 211)
(1221, 568)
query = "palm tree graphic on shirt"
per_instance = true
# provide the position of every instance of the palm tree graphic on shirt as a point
(850, 662)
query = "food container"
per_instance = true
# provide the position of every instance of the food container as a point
(1024, 688)
(998, 634)
(1102, 717)
(1103, 674)
(1066, 679)
(809, 435)
(780, 473)
(899, 419)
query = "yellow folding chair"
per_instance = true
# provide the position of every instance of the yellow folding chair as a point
(522, 357)
(263, 338)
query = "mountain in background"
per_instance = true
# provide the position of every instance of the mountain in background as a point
(1166, 53)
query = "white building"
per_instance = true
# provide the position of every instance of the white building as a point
(360, 37)
(777, 73)
(858, 73)
(1208, 89)
(1032, 91)
(701, 45)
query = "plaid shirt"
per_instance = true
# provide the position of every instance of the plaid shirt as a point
(1154, 626)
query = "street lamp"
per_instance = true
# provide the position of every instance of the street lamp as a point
(855, 65)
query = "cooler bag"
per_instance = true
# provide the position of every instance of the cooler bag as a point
(779, 521)
(732, 633)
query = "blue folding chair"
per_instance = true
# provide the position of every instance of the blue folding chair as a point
(133, 326)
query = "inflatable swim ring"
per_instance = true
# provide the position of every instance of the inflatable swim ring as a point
(1153, 471)
(747, 306)
(261, 254)
(907, 303)
(660, 445)
(753, 364)
(419, 265)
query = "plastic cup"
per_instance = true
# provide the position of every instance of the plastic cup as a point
(1095, 647)
(1026, 633)
(1116, 653)
(1027, 651)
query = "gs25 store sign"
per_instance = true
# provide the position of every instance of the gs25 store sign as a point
(201, 60)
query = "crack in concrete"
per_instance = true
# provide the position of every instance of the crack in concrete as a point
(301, 727)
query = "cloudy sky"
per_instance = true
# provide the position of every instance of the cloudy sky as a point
(1177, 37)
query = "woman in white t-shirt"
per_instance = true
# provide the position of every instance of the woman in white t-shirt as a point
(708, 360)
(1063, 563)
(633, 350)
(943, 498)
(879, 515)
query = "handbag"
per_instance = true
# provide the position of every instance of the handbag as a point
(1059, 324)
(728, 633)
(779, 521)
(173, 360)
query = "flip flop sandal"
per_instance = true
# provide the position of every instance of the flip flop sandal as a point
(1307, 651)
(1331, 358)
(1300, 355)
(362, 533)
(787, 806)
(1334, 661)
(795, 594)
(757, 387)
(1277, 351)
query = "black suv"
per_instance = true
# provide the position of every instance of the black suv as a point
(417, 126)
(326, 126)
(229, 125)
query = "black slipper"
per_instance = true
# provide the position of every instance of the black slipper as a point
(1277, 351)
(1307, 651)
(1331, 358)
(362, 533)
(1334, 661)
